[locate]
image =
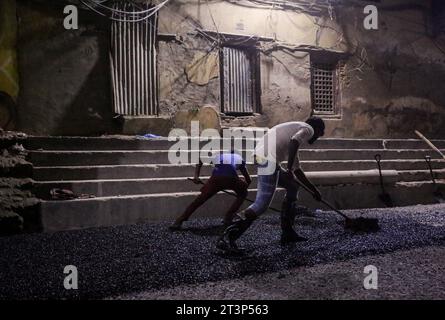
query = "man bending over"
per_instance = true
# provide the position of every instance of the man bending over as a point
(281, 143)
(224, 177)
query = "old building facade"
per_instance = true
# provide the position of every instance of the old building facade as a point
(258, 63)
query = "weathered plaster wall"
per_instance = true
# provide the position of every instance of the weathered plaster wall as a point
(176, 92)
(285, 82)
(244, 18)
(65, 82)
(390, 85)
(399, 87)
(285, 77)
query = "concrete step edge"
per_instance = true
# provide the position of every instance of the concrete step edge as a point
(326, 174)
(200, 150)
(170, 195)
(135, 138)
(152, 165)
(345, 173)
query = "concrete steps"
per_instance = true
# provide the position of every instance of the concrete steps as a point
(116, 157)
(117, 187)
(420, 175)
(132, 143)
(132, 209)
(90, 172)
(132, 180)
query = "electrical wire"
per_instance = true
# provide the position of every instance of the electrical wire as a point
(214, 23)
(121, 11)
(120, 15)
(314, 6)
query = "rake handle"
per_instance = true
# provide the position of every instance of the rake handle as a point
(321, 200)
(300, 184)
(421, 136)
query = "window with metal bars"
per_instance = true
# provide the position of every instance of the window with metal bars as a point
(323, 88)
(133, 63)
(239, 80)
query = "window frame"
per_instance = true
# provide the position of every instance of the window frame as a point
(334, 66)
(255, 77)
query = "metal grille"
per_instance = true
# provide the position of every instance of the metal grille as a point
(238, 88)
(323, 88)
(133, 64)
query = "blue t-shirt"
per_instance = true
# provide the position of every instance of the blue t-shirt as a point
(226, 164)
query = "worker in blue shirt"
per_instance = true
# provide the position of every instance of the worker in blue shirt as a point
(224, 177)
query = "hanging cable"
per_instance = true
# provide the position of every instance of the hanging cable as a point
(120, 15)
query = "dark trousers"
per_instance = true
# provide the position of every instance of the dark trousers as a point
(212, 187)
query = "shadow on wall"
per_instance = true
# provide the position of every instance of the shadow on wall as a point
(65, 74)
(90, 112)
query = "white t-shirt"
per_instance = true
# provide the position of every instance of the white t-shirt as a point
(274, 146)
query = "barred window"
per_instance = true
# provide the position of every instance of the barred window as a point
(240, 94)
(133, 63)
(323, 88)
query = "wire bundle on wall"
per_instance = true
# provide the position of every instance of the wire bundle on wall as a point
(306, 6)
(137, 15)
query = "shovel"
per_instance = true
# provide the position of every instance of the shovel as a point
(437, 194)
(354, 224)
(384, 196)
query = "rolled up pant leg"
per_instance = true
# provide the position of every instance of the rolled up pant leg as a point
(267, 185)
(266, 189)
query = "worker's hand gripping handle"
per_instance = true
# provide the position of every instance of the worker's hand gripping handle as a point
(313, 195)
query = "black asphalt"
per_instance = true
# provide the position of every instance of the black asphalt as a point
(118, 260)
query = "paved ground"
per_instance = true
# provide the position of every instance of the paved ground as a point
(147, 261)
(407, 274)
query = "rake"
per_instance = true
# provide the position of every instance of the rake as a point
(354, 224)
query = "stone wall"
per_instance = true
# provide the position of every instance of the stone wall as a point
(18, 204)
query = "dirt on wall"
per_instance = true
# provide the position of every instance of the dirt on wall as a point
(389, 85)
(392, 84)
(65, 74)
(177, 90)
(389, 79)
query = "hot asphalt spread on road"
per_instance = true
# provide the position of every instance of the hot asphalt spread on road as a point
(121, 260)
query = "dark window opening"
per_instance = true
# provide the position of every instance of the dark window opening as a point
(240, 88)
(437, 24)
